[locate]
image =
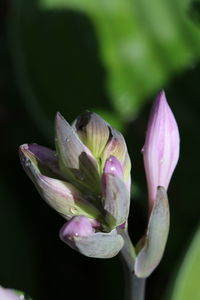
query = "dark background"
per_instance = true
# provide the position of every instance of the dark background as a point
(32, 258)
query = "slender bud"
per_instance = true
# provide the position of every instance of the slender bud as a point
(161, 149)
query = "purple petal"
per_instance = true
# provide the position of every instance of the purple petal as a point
(161, 149)
(113, 166)
(78, 226)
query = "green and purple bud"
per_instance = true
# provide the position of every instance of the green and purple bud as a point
(86, 180)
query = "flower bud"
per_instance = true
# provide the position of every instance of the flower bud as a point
(81, 235)
(93, 132)
(161, 148)
(113, 166)
(79, 226)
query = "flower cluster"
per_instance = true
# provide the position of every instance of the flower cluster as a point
(87, 180)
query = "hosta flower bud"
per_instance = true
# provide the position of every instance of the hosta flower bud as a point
(87, 180)
(161, 152)
(113, 166)
(161, 148)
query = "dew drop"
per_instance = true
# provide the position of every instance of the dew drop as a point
(73, 211)
(27, 162)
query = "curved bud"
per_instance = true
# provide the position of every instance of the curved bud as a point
(7, 294)
(161, 148)
(153, 243)
(97, 245)
(93, 132)
(75, 159)
(60, 195)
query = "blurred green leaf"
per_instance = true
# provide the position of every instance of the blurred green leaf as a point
(65, 52)
(187, 283)
(142, 43)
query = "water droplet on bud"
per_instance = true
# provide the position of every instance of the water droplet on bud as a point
(73, 211)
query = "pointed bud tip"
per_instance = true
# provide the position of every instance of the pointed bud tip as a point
(113, 166)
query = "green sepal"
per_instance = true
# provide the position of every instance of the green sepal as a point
(153, 244)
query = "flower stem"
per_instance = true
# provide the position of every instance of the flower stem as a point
(134, 286)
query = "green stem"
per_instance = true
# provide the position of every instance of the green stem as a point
(134, 286)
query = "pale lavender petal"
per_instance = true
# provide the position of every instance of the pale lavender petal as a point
(161, 149)
(78, 226)
(7, 294)
(113, 166)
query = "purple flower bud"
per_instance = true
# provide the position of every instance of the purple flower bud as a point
(78, 226)
(113, 166)
(7, 294)
(161, 149)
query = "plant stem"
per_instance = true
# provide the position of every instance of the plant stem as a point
(134, 286)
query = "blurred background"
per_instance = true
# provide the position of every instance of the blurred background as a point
(111, 57)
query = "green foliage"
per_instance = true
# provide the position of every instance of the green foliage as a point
(66, 48)
(142, 43)
(187, 283)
